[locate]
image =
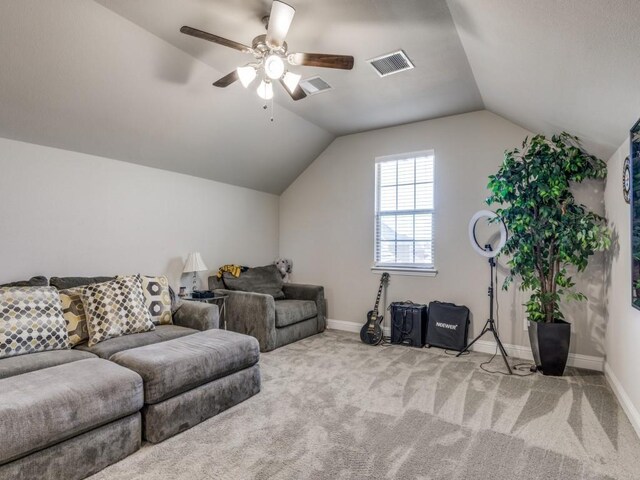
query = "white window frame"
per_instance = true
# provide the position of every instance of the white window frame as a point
(404, 268)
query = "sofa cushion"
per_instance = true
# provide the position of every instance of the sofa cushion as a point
(115, 308)
(31, 321)
(265, 280)
(162, 333)
(63, 283)
(44, 407)
(289, 312)
(37, 361)
(179, 365)
(38, 281)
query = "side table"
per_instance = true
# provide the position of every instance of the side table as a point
(219, 300)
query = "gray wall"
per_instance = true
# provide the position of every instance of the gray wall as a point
(66, 213)
(623, 326)
(327, 225)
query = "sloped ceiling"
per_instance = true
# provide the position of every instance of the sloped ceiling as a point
(115, 77)
(75, 75)
(553, 65)
(441, 84)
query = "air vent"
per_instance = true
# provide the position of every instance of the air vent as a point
(391, 63)
(314, 85)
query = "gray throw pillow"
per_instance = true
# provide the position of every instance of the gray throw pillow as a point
(38, 281)
(63, 283)
(265, 280)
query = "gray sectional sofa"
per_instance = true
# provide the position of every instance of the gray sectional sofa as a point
(66, 414)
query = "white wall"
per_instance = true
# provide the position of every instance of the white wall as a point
(327, 225)
(64, 214)
(623, 326)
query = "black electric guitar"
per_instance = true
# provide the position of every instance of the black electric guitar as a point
(371, 332)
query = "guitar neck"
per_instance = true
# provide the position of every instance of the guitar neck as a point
(375, 308)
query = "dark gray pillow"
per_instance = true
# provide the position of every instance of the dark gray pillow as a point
(38, 281)
(63, 283)
(265, 280)
(215, 282)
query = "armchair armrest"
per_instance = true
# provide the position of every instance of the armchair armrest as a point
(298, 291)
(252, 314)
(198, 315)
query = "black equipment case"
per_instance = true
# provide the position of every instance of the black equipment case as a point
(448, 326)
(408, 323)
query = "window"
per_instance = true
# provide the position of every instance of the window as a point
(404, 212)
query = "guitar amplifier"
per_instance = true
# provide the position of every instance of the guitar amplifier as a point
(448, 326)
(408, 323)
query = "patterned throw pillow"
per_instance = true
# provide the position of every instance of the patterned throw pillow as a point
(73, 312)
(157, 297)
(31, 321)
(115, 308)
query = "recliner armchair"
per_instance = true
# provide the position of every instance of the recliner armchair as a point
(274, 323)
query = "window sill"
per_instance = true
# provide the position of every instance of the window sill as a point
(413, 272)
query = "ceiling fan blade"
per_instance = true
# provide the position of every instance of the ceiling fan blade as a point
(279, 22)
(227, 80)
(325, 60)
(298, 93)
(194, 32)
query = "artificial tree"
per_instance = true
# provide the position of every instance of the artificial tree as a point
(548, 231)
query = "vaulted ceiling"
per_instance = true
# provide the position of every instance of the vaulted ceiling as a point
(553, 65)
(116, 78)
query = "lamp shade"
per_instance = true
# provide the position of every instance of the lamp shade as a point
(265, 90)
(291, 81)
(246, 74)
(194, 263)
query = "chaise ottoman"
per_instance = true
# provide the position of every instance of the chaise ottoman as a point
(192, 378)
(48, 417)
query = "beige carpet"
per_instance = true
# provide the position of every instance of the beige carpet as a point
(333, 408)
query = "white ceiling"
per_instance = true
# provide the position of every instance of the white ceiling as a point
(442, 83)
(75, 75)
(116, 78)
(553, 65)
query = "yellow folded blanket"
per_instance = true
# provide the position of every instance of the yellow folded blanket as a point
(234, 270)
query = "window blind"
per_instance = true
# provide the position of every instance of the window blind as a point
(404, 211)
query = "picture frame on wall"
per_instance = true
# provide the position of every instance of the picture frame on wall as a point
(634, 156)
(626, 180)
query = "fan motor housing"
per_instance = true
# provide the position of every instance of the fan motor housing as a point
(259, 44)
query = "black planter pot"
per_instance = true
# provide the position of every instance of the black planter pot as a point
(550, 346)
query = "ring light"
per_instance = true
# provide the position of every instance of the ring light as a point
(472, 233)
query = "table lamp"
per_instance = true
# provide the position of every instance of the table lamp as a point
(194, 264)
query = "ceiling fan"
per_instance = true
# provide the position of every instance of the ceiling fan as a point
(270, 54)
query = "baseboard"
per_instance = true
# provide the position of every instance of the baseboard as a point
(350, 326)
(517, 351)
(627, 405)
(576, 360)
(343, 325)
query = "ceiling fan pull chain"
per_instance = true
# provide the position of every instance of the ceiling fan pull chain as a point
(272, 114)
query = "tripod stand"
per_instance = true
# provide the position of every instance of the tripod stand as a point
(490, 325)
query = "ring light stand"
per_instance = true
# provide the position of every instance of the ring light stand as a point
(488, 252)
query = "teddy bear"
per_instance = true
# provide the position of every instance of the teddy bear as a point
(284, 266)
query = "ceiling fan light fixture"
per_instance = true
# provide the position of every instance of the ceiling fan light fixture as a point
(291, 81)
(273, 67)
(271, 54)
(265, 90)
(246, 74)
